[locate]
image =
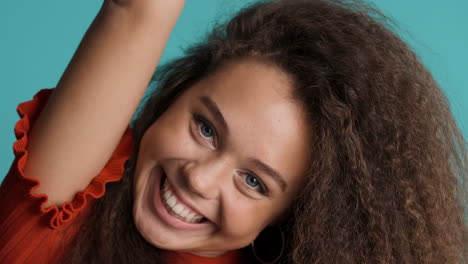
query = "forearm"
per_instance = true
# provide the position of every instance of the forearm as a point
(95, 99)
(112, 67)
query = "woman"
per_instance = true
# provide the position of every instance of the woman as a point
(305, 127)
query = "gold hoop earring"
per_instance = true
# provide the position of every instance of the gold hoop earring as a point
(268, 247)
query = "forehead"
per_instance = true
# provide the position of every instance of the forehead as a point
(251, 87)
(249, 79)
(264, 121)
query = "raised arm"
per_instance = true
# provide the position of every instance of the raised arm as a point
(97, 95)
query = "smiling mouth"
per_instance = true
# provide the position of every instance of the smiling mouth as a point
(176, 207)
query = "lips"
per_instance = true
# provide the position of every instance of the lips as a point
(176, 207)
(173, 211)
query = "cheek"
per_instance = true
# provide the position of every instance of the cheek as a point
(244, 219)
(167, 139)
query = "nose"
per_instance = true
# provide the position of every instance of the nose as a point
(204, 178)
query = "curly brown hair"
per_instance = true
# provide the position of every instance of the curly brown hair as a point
(387, 183)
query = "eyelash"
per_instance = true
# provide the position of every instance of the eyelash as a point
(262, 189)
(201, 121)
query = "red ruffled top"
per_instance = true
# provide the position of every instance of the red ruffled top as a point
(30, 233)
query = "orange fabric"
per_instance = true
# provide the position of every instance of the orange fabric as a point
(30, 233)
(232, 257)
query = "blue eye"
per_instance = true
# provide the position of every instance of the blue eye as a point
(252, 181)
(206, 130)
(256, 184)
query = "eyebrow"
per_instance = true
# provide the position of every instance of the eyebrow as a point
(271, 172)
(214, 109)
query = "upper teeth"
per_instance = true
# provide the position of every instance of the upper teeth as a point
(177, 208)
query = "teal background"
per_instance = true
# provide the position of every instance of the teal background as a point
(38, 39)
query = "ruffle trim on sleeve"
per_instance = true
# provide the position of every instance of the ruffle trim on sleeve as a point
(59, 215)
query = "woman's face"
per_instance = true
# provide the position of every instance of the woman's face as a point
(223, 162)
